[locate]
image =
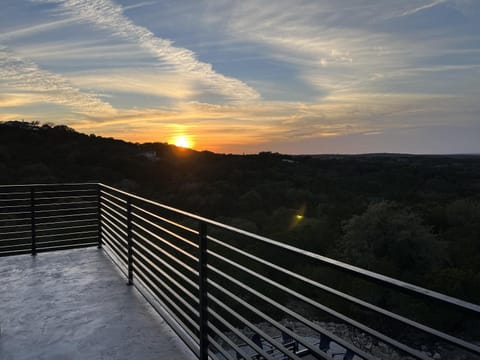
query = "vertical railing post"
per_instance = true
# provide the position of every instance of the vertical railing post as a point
(99, 216)
(32, 221)
(129, 241)
(202, 259)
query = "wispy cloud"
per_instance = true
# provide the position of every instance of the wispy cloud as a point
(138, 5)
(35, 29)
(107, 15)
(22, 75)
(135, 81)
(424, 7)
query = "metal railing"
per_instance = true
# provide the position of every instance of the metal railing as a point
(38, 218)
(231, 294)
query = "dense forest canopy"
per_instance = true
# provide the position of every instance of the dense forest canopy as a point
(412, 217)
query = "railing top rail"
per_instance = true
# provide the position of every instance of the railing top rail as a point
(46, 184)
(323, 259)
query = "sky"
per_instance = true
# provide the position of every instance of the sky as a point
(290, 76)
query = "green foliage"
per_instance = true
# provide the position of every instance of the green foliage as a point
(392, 240)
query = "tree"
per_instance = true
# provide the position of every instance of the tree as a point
(392, 240)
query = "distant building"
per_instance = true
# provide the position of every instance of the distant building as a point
(150, 155)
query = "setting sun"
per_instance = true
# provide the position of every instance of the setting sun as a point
(183, 141)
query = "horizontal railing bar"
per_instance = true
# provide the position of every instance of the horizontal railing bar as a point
(27, 241)
(157, 268)
(26, 245)
(326, 309)
(293, 314)
(158, 237)
(239, 334)
(219, 349)
(172, 303)
(115, 259)
(16, 226)
(119, 207)
(68, 215)
(15, 193)
(15, 252)
(211, 355)
(65, 247)
(181, 238)
(115, 242)
(325, 260)
(66, 228)
(257, 330)
(75, 193)
(16, 200)
(104, 206)
(166, 253)
(66, 234)
(112, 224)
(18, 239)
(123, 243)
(115, 223)
(103, 192)
(229, 341)
(14, 207)
(422, 327)
(37, 205)
(65, 222)
(117, 248)
(76, 240)
(46, 185)
(119, 243)
(64, 197)
(114, 247)
(172, 319)
(60, 210)
(15, 232)
(158, 217)
(15, 213)
(123, 222)
(159, 280)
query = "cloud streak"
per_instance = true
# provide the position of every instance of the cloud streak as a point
(22, 75)
(424, 7)
(107, 15)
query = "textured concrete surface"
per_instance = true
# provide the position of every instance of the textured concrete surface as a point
(75, 305)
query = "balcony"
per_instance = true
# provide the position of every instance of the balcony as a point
(225, 293)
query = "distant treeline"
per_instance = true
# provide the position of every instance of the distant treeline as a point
(413, 217)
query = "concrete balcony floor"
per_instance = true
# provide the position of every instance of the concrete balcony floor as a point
(74, 304)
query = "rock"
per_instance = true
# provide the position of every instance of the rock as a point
(437, 356)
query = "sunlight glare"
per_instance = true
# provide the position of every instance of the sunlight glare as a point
(182, 141)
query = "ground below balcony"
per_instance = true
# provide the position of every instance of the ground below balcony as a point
(75, 305)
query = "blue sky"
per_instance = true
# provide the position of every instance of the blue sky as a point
(319, 76)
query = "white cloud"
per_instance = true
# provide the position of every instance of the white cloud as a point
(18, 75)
(107, 15)
(423, 7)
(34, 29)
(135, 81)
